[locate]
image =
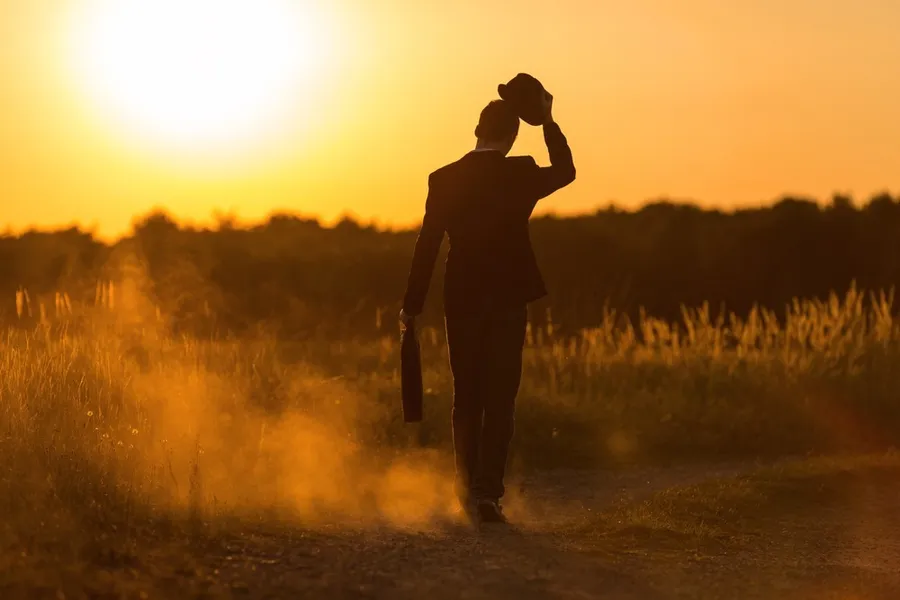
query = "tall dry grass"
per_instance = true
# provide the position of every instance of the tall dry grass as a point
(120, 421)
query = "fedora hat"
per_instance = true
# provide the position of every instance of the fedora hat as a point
(524, 94)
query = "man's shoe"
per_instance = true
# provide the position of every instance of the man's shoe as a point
(467, 512)
(489, 511)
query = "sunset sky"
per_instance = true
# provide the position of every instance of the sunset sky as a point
(721, 103)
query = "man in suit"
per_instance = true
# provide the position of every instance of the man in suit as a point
(483, 201)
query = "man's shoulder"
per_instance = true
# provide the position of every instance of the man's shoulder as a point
(521, 164)
(463, 165)
(519, 160)
(444, 170)
(525, 160)
(447, 171)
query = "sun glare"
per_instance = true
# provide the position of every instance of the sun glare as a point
(197, 74)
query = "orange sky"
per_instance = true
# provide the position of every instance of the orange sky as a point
(722, 103)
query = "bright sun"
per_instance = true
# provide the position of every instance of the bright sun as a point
(196, 74)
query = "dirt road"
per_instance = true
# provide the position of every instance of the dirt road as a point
(649, 534)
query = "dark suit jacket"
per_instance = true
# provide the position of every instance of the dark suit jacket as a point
(484, 201)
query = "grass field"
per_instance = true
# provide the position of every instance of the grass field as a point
(115, 426)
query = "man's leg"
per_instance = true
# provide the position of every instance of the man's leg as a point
(466, 348)
(504, 346)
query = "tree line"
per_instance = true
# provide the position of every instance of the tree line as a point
(298, 277)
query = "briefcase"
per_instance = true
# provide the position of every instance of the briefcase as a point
(411, 375)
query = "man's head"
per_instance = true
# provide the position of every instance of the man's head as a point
(497, 127)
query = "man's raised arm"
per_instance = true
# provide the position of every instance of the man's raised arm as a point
(543, 181)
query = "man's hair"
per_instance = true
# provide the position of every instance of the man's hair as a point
(498, 122)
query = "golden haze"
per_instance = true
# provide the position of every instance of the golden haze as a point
(727, 105)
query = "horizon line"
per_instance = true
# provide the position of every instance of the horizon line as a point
(219, 217)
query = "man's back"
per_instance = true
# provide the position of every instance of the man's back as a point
(484, 201)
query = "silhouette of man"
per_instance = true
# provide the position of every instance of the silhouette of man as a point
(484, 201)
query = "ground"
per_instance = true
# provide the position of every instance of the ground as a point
(816, 529)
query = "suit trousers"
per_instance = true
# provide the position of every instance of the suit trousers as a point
(485, 347)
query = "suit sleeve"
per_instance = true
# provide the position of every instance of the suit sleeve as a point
(425, 254)
(543, 181)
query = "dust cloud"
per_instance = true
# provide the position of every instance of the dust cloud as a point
(228, 426)
(221, 455)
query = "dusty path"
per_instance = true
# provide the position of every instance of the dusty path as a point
(826, 538)
(534, 558)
